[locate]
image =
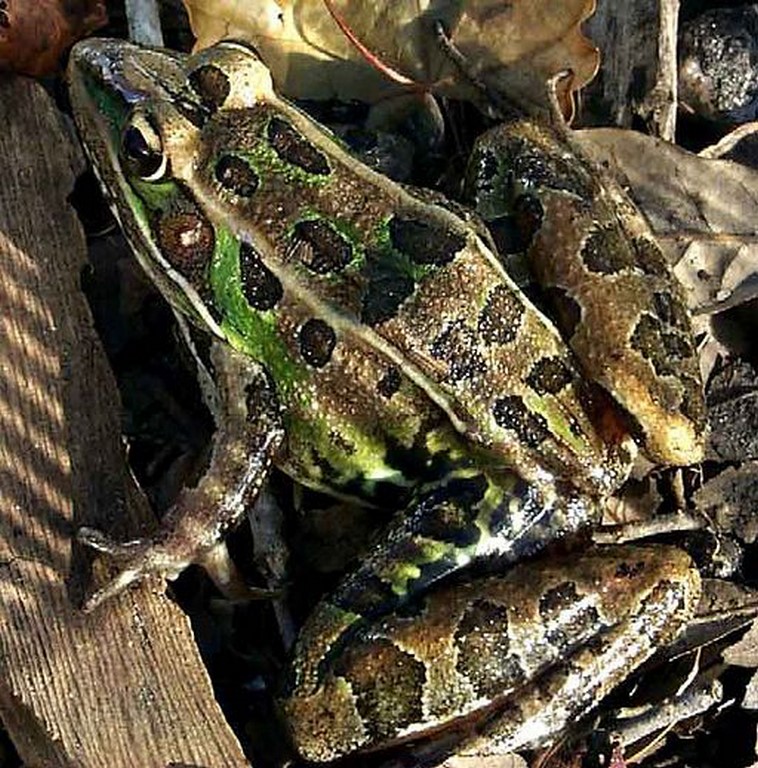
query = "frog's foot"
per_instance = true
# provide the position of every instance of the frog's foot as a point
(140, 558)
(248, 435)
(136, 560)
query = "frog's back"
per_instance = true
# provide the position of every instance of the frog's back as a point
(372, 308)
(374, 311)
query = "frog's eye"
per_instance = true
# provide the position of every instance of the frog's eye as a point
(142, 150)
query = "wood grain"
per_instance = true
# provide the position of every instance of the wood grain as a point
(124, 686)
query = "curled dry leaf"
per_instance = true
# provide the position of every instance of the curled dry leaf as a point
(511, 47)
(34, 35)
(703, 212)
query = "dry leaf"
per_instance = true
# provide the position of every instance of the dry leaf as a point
(512, 47)
(729, 499)
(733, 413)
(517, 46)
(703, 212)
(34, 35)
(744, 653)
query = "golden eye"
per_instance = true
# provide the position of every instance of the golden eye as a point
(142, 150)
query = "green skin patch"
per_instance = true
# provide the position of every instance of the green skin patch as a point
(250, 331)
(266, 162)
(256, 333)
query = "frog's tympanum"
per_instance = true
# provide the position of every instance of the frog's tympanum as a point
(371, 344)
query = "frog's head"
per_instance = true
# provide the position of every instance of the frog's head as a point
(140, 112)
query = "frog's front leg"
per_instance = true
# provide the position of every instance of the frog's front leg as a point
(500, 663)
(249, 433)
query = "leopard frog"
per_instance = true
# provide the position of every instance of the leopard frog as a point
(370, 343)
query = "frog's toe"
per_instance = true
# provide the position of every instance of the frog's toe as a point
(135, 559)
(97, 540)
(222, 571)
(139, 558)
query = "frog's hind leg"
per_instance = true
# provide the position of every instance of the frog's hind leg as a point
(636, 600)
(499, 663)
(463, 518)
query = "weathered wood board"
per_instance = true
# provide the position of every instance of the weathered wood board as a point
(124, 686)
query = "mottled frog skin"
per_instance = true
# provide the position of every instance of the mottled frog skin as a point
(370, 343)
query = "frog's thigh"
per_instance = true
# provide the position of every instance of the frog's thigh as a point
(534, 650)
(248, 434)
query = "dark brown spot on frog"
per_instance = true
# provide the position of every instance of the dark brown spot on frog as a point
(448, 512)
(484, 654)
(487, 166)
(321, 247)
(367, 595)
(671, 311)
(389, 384)
(425, 242)
(606, 252)
(549, 375)
(596, 645)
(557, 599)
(260, 285)
(663, 350)
(211, 84)
(528, 214)
(625, 570)
(650, 257)
(456, 346)
(567, 311)
(568, 617)
(386, 288)
(236, 175)
(512, 413)
(317, 341)
(387, 684)
(450, 521)
(187, 240)
(500, 320)
(294, 148)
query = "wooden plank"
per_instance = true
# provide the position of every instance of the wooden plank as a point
(124, 686)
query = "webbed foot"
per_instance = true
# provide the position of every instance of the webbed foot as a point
(139, 558)
(136, 560)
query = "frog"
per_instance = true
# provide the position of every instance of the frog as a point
(367, 339)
